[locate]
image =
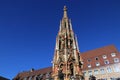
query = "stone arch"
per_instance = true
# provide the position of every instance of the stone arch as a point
(61, 65)
(71, 67)
(61, 71)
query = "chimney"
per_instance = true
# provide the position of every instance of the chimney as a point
(32, 70)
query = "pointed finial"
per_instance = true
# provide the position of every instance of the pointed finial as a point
(65, 8)
(65, 12)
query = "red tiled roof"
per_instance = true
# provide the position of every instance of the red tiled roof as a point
(99, 51)
(33, 73)
(107, 50)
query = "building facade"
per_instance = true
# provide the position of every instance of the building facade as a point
(70, 64)
(103, 63)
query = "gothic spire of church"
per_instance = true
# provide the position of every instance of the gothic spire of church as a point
(65, 23)
(65, 12)
(67, 59)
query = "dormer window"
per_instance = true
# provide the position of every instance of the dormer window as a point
(113, 54)
(116, 60)
(89, 60)
(96, 58)
(97, 64)
(104, 56)
(89, 65)
(106, 61)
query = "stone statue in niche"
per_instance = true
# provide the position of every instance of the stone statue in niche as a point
(62, 44)
(60, 75)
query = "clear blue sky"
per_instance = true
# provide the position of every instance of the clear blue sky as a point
(28, 30)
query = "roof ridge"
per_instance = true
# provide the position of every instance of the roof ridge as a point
(112, 45)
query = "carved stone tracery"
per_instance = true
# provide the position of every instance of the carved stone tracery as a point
(67, 61)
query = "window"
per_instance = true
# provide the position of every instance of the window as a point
(116, 68)
(35, 77)
(109, 70)
(116, 59)
(96, 58)
(106, 61)
(41, 75)
(89, 65)
(102, 71)
(97, 64)
(25, 78)
(95, 72)
(47, 75)
(104, 56)
(113, 54)
(112, 78)
(85, 74)
(89, 60)
(72, 78)
(30, 78)
(104, 79)
(89, 73)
